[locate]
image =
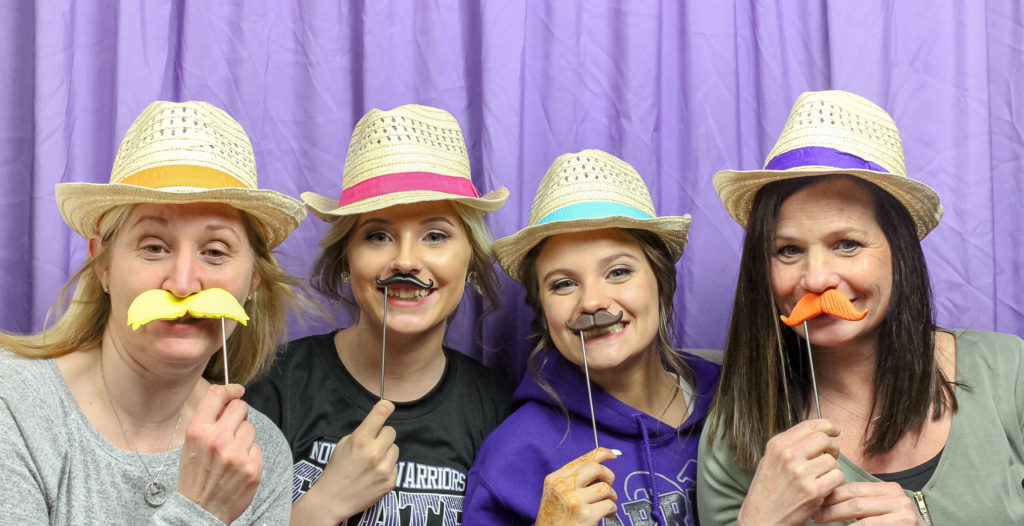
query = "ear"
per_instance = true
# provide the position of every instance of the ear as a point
(255, 284)
(102, 271)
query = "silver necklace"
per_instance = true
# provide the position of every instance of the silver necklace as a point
(155, 492)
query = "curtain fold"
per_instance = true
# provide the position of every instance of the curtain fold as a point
(678, 89)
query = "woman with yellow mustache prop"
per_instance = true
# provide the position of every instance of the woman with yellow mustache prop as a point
(122, 423)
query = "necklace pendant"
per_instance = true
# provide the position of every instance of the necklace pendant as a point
(155, 494)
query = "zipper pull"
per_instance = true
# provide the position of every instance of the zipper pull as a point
(922, 507)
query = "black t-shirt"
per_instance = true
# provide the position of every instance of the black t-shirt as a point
(312, 397)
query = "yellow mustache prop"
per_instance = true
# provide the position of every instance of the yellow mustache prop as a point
(158, 304)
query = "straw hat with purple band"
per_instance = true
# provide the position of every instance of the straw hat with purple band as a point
(182, 152)
(405, 155)
(589, 190)
(835, 132)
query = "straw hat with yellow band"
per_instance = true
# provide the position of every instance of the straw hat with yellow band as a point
(408, 154)
(835, 132)
(590, 190)
(182, 152)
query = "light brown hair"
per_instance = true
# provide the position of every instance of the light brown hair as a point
(84, 318)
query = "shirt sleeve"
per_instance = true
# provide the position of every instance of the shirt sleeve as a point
(483, 507)
(22, 493)
(721, 484)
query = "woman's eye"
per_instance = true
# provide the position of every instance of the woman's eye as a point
(436, 236)
(153, 249)
(216, 253)
(562, 285)
(788, 251)
(849, 245)
(620, 273)
(378, 236)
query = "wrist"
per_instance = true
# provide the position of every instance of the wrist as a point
(315, 508)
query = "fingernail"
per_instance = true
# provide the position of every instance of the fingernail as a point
(616, 452)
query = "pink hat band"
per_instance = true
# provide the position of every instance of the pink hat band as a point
(407, 182)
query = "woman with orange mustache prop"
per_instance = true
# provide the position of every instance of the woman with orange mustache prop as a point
(599, 269)
(840, 400)
(384, 421)
(121, 422)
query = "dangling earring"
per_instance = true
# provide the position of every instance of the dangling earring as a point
(344, 277)
(471, 278)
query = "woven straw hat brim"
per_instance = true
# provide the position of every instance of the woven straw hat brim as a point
(737, 189)
(328, 210)
(83, 204)
(510, 251)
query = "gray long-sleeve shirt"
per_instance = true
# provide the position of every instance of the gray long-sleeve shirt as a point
(56, 469)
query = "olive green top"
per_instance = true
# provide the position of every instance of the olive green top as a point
(980, 476)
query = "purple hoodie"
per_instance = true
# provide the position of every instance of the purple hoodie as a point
(507, 478)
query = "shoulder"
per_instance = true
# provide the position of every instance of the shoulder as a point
(990, 350)
(295, 360)
(269, 437)
(531, 431)
(31, 384)
(476, 376)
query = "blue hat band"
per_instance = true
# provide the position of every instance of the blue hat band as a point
(593, 210)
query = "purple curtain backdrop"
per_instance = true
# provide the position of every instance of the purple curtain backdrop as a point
(678, 89)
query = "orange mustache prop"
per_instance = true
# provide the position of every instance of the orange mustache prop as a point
(829, 302)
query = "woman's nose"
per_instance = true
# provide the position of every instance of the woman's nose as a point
(406, 260)
(183, 275)
(819, 273)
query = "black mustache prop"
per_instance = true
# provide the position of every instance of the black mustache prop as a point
(405, 279)
(597, 320)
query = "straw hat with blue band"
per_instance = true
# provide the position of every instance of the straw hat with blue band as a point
(835, 132)
(176, 153)
(590, 190)
(405, 155)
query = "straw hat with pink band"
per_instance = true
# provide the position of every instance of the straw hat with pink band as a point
(408, 154)
(182, 152)
(835, 132)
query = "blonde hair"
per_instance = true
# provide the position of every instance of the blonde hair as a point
(330, 269)
(251, 348)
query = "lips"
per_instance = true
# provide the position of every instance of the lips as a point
(601, 331)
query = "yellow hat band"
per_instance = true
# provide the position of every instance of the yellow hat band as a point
(183, 175)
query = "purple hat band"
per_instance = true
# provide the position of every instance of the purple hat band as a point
(820, 156)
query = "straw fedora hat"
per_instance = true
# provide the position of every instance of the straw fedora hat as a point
(589, 190)
(182, 152)
(405, 155)
(834, 132)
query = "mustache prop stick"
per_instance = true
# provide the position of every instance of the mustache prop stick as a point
(810, 306)
(584, 323)
(159, 304)
(405, 279)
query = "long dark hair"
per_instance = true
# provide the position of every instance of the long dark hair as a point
(763, 356)
(657, 255)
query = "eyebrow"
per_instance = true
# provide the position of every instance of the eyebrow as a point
(838, 232)
(601, 263)
(385, 221)
(163, 222)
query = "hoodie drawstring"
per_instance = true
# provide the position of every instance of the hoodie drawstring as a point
(652, 478)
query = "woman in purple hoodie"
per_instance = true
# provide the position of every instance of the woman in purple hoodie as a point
(598, 266)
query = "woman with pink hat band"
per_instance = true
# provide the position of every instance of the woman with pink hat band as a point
(598, 265)
(384, 421)
(868, 411)
(120, 423)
